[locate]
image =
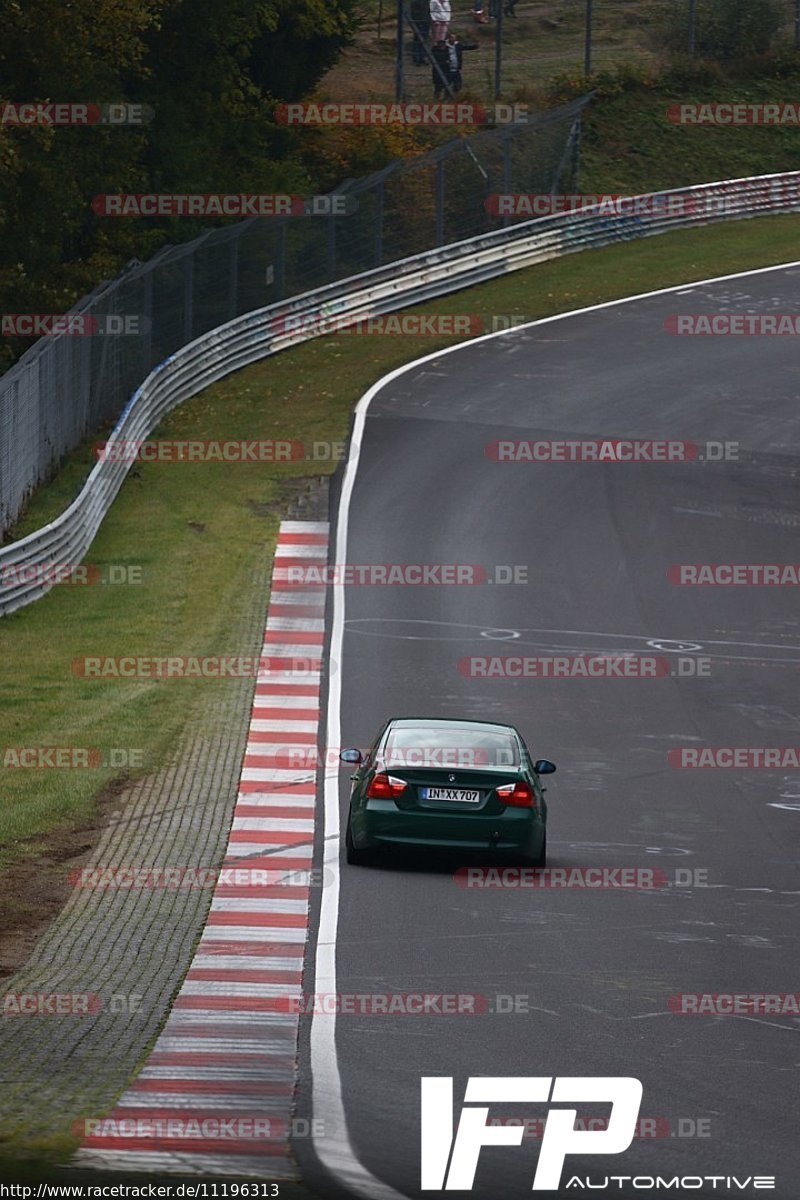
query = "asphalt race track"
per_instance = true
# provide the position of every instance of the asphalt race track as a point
(592, 970)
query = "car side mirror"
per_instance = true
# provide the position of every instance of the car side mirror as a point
(350, 756)
(543, 766)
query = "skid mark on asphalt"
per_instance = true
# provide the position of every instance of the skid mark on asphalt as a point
(572, 640)
(216, 1094)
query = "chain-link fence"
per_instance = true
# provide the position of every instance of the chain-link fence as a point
(67, 385)
(541, 39)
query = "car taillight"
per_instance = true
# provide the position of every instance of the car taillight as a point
(385, 787)
(519, 794)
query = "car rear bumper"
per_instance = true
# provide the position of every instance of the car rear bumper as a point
(380, 822)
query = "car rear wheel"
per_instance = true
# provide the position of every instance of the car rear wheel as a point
(540, 861)
(354, 856)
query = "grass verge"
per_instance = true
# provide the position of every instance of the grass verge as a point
(203, 534)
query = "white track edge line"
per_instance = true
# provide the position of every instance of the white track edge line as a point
(335, 1150)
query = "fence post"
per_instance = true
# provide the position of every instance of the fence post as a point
(692, 26)
(508, 185)
(147, 312)
(576, 151)
(233, 278)
(280, 259)
(188, 296)
(587, 49)
(498, 48)
(568, 156)
(400, 80)
(331, 246)
(379, 225)
(440, 202)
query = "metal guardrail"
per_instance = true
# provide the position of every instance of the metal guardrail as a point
(65, 386)
(29, 567)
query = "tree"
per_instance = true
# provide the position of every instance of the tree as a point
(209, 69)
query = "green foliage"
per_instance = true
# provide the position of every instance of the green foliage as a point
(725, 30)
(569, 85)
(210, 70)
(301, 42)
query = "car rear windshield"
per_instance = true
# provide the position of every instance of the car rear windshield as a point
(420, 747)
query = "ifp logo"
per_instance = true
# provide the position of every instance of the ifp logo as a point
(449, 1164)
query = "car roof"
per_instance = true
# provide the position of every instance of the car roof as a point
(450, 723)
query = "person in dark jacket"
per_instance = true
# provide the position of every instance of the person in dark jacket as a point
(455, 54)
(420, 13)
(440, 70)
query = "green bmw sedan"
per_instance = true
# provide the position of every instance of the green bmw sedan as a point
(447, 784)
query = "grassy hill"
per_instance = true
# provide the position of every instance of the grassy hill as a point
(545, 39)
(628, 144)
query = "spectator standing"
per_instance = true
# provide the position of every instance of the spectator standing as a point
(440, 69)
(455, 56)
(440, 19)
(421, 16)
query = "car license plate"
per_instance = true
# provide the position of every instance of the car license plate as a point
(458, 794)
